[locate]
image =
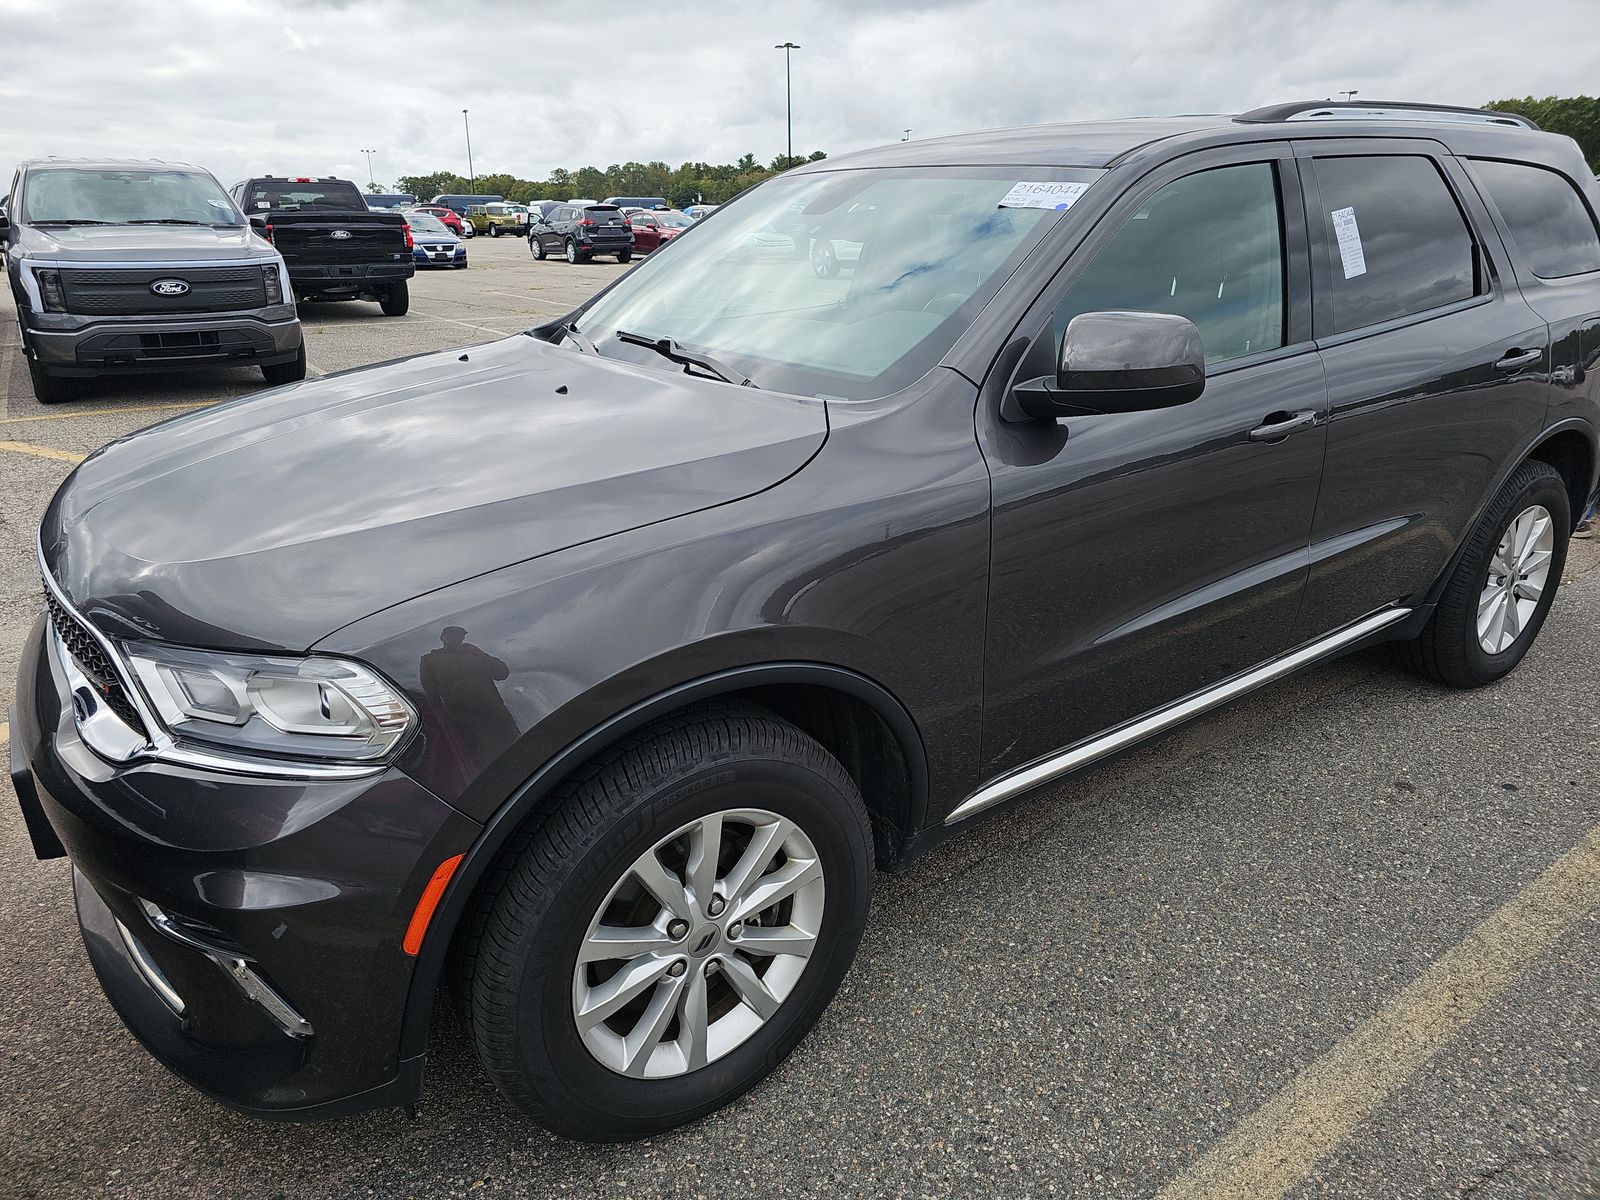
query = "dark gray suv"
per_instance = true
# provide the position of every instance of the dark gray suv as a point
(594, 669)
(120, 267)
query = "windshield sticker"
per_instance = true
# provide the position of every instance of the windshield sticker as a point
(1353, 258)
(1059, 196)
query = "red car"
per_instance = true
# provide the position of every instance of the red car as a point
(651, 229)
(449, 217)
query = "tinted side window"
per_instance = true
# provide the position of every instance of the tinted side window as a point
(1548, 219)
(1397, 243)
(1208, 247)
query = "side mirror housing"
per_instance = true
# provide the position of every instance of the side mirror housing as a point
(1116, 362)
(5, 226)
(259, 224)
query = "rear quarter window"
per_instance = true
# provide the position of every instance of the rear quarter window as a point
(1545, 214)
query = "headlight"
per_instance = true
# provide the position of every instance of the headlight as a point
(272, 282)
(50, 290)
(321, 708)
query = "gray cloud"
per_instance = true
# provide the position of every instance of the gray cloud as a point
(248, 86)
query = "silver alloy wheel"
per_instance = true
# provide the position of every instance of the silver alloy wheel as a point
(698, 944)
(1518, 573)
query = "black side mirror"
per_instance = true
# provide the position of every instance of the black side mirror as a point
(5, 226)
(1116, 362)
(259, 224)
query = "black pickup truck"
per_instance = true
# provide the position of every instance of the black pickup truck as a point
(336, 248)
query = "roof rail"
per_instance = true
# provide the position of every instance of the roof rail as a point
(1382, 110)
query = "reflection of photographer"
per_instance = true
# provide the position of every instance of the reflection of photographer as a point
(460, 681)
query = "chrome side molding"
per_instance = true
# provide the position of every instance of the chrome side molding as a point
(1086, 752)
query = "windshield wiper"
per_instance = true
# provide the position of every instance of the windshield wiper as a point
(164, 221)
(584, 344)
(73, 221)
(673, 352)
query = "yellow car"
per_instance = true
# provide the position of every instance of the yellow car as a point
(499, 217)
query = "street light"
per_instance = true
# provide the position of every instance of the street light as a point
(905, 135)
(471, 174)
(372, 185)
(1351, 94)
(788, 92)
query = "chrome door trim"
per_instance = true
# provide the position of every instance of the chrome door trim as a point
(1175, 713)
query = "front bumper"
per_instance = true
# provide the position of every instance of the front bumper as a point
(247, 930)
(73, 345)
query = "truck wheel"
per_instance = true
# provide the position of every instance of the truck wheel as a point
(51, 389)
(668, 935)
(397, 299)
(537, 246)
(278, 374)
(572, 252)
(494, 231)
(1501, 590)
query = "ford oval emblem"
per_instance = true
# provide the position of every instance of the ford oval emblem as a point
(341, 234)
(169, 287)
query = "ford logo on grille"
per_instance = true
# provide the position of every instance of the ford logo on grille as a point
(169, 287)
(341, 234)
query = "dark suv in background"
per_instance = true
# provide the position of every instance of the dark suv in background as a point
(580, 231)
(595, 674)
(125, 266)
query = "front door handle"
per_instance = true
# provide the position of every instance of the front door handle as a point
(1280, 425)
(1516, 359)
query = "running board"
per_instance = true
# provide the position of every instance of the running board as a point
(1175, 713)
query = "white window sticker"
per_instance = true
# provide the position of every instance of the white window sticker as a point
(1059, 196)
(1351, 255)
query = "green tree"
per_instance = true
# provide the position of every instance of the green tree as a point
(1576, 116)
(374, 188)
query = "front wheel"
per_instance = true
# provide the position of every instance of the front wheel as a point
(396, 299)
(494, 231)
(51, 389)
(537, 246)
(277, 374)
(1502, 586)
(661, 943)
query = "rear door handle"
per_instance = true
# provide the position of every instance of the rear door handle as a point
(1516, 359)
(1280, 425)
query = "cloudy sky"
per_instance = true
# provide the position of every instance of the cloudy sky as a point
(301, 86)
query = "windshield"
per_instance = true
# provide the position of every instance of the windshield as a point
(293, 195)
(673, 220)
(849, 284)
(126, 196)
(423, 223)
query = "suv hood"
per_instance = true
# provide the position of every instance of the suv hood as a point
(144, 243)
(271, 521)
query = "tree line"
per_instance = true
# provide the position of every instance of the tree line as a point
(691, 183)
(1576, 116)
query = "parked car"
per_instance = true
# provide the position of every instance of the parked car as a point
(650, 203)
(540, 208)
(696, 211)
(125, 267)
(581, 232)
(434, 244)
(649, 231)
(598, 671)
(336, 248)
(449, 218)
(459, 204)
(398, 201)
(498, 217)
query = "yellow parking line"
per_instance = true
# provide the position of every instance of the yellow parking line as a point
(5, 732)
(1278, 1146)
(106, 412)
(42, 451)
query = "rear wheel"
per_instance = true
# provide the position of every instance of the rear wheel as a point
(1502, 587)
(277, 374)
(396, 300)
(624, 256)
(663, 940)
(51, 389)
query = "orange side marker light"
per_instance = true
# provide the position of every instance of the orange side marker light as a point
(429, 902)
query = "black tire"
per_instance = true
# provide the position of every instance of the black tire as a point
(572, 251)
(516, 962)
(494, 231)
(536, 245)
(624, 256)
(396, 299)
(1449, 650)
(277, 374)
(51, 389)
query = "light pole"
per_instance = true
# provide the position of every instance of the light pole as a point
(1351, 94)
(788, 93)
(372, 185)
(905, 135)
(471, 174)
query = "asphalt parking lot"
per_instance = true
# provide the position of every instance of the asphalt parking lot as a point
(1342, 939)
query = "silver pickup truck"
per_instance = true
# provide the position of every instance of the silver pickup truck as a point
(125, 267)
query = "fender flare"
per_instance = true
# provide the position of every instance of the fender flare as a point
(527, 799)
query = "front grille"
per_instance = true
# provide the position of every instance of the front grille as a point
(127, 293)
(93, 662)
